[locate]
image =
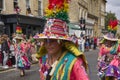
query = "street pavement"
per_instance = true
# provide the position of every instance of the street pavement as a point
(91, 57)
(13, 74)
(33, 73)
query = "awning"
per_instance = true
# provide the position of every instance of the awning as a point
(73, 26)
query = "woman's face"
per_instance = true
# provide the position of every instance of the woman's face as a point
(109, 43)
(18, 40)
(52, 46)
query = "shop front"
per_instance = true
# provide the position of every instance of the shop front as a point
(30, 25)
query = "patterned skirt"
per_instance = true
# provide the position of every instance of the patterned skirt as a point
(108, 70)
(23, 62)
(113, 71)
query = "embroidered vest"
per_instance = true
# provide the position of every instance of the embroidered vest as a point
(64, 66)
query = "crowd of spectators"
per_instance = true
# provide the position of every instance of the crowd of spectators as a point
(7, 49)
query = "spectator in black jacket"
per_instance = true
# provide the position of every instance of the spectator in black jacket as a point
(5, 51)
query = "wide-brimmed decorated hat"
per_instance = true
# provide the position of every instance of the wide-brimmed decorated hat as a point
(110, 36)
(54, 29)
(112, 29)
(56, 14)
(18, 34)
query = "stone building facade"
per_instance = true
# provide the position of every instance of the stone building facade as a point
(27, 13)
(92, 11)
(9, 5)
(78, 9)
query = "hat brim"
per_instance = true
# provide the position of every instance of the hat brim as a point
(101, 41)
(52, 37)
(18, 37)
(111, 39)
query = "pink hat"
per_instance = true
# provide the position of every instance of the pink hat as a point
(54, 29)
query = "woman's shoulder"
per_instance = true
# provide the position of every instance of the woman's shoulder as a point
(79, 61)
(79, 71)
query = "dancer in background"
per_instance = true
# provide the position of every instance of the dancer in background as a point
(109, 55)
(21, 59)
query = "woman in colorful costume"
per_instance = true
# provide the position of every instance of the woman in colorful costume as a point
(22, 61)
(109, 57)
(59, 58)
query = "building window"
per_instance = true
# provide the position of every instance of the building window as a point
(102, 21)
(27, 3)
(1, 5)
(15, 3)
(16, 7)
(28, 9)
(39, 8)
(103, 7)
